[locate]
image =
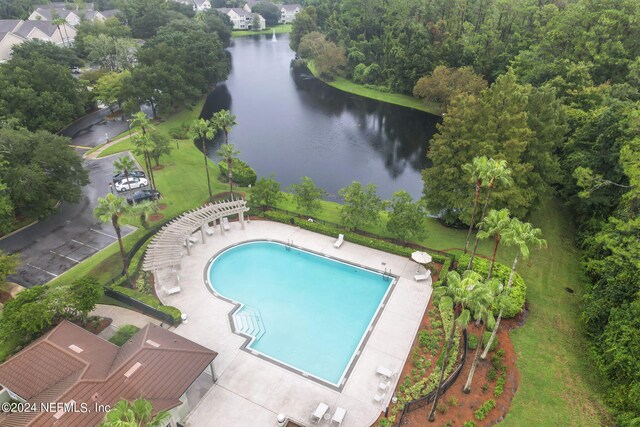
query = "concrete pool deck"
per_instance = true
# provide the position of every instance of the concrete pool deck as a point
(251, 391)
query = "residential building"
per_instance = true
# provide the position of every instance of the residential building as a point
(201, 5)
(242, 19)
(7, 42)
(70, 12)
(82, 375)
(15, 31)
(288, 13)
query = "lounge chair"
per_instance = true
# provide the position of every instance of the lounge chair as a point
(385, 372)
(225, 223)
(193, 239)
(209, 231)
(338, 416)
(339, 242)
(379, 396)
(425, 276)
(171, 291)
(319, 412)
(384, 385)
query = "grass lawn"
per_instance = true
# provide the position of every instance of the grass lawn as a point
(280, 29)
(345, 85)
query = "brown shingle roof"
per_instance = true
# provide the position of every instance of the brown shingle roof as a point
(168, 365)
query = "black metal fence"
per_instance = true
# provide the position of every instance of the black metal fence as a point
(425, 400)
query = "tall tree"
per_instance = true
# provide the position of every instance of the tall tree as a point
(144, 210)
(124, 165)
(8, 264)
(266, 192)
(203, 130)
(361, 206)
(143, 143)
(110, 208)
(466, 292)
(521, 235)
(494, 225)
(58, 21)
(498, 172)
(406, 218)
(307, 195)
(445, 83)
(85, 294)
(228, 153)
(138, 413)
(223, 121)
(478, 169)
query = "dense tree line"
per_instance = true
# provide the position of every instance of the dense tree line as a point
(561, 109)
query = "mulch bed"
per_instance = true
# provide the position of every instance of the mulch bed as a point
(156, 217)
(94, 327)
(4, 297)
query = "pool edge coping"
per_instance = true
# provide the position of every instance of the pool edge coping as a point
(248, 338)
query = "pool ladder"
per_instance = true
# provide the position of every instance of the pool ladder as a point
(387, 274)
(248, 320)
(289, 244)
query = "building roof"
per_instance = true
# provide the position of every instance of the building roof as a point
(71, 364)
(63, 5)
(291, 7)
(199, 3)
(238, 10)
(110, 13)
(27, 26)
(9, 25)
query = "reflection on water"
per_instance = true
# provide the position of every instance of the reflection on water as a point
(292, 125)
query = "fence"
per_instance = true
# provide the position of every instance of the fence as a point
(361, 232)
(423, 401)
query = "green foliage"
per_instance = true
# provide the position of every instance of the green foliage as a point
(123, 334)
(269, 11)
(111, 53)
(406, 219)
(266, 192)
(151, 301)
(516, 299)
(85, 292)
(445, 83)
(307, 195)
(469, 424)
(180, 132)
(499, 389)
(161, 146)
(361, 205)
(472, 341)
(36, 49)
(137, 413)
(40, 170)
(243, 174)
(484, 410)
(8, 265)
(304, 24)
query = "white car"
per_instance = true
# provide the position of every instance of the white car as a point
(131, 183)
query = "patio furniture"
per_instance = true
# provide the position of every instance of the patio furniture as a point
(385, 372)
(425, 276)
(339, 242)
(171, 291)
(379, 396)
(384, 385)
(225, 223)
(193, 239)
(209, 231)
(319, 412)
(338, 416)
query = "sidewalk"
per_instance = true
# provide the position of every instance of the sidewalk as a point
(120, 317)
(94, 154)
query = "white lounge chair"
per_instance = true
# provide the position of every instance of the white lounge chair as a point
(171, 291)
(425, 276)
(319, 412)
(379, 396)
(385, 372)
(338, 416)
(339, 242)
(225, 223)
(209, 231)
(384, 385)
(193, 239)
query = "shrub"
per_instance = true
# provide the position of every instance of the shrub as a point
(484, 410)
(150, 301)
(492, 374)
(499, 389)
(441, 408)
(472, 341)
(180, 132)
(500, 353)
(123, 334)
(485, 387)
(502, 272)
(469, 424)
(494, 344)
(242, 173)
(452, 401)
(385, 423)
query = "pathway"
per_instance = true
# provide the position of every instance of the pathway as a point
(119, 317)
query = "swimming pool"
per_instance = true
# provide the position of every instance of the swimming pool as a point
(306, 311)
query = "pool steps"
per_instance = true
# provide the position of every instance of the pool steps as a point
(248, 321)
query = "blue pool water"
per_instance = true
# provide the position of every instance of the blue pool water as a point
(315, 310)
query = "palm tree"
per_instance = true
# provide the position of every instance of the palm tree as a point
(520, 234)
(144, 210)
(484, 312)
(146, 146)
(224, 121)
(136, 414)
(497, 172)
(204, 129)
(479, 170)
(124, 165)
(494, 225)
(228, 152)
(110, 208)
(58, 21)
(465, 292)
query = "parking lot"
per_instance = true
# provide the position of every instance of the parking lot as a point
(61, 241)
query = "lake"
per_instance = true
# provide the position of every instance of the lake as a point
(291, 124)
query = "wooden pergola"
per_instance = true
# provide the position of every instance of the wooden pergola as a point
(165, 250)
